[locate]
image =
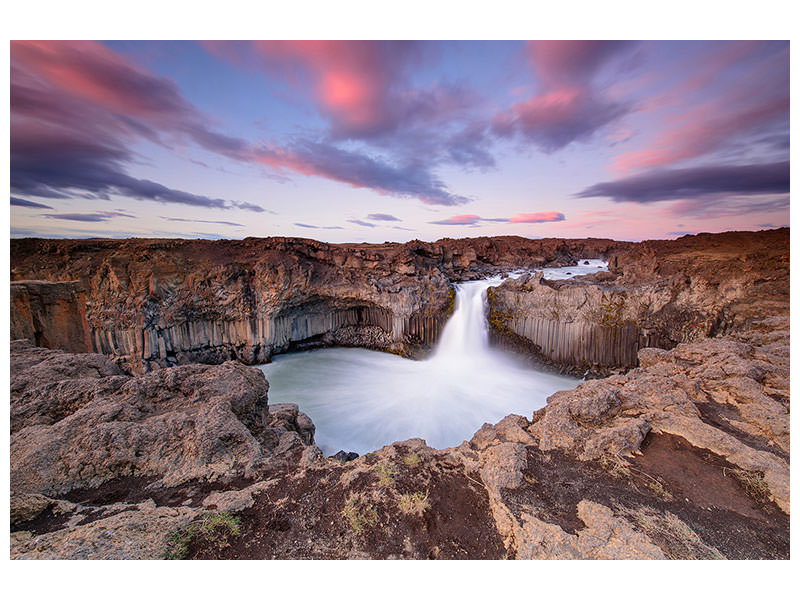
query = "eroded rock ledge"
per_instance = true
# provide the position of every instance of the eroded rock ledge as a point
(686, 456)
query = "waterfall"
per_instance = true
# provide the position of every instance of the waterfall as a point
(466, 334)
(361, 400)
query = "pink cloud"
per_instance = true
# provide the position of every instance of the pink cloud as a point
(540, 217)
(703, 131)
(568, 108)
(459, 220)
(724, 101)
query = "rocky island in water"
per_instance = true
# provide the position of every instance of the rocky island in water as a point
(143, 426)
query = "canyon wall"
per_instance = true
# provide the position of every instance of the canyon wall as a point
(657, 294)
(157, 303)
(50, 314)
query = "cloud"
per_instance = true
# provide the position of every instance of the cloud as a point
(362, 223)
(361, 87)
(694, 183)
(458, 220)
(77, 107)
(540, 217)
(27, 203)
(231, 223)
(473, 220)
(359, 171)
(364, 91)
(706, 130)
(307, 226)
(382, 217)
(731, 101)
(95, 217)
(568, 107)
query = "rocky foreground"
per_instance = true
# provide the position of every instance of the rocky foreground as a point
(685, 455)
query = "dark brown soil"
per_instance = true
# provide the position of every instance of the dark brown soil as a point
(719, 415)
(45, 522)
(303, 518)
(133, 490)
(671, 476)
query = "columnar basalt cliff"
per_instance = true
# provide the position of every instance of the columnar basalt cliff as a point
(657, 294)
(156, 303)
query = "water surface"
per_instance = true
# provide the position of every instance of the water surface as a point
(361, 400)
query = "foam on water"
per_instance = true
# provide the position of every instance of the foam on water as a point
(361, 400)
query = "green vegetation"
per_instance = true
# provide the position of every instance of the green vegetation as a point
(615, 465)
(359, 512)
(412, 459)
(753, 483)
(499, 314)
(413, 503)
(214, 529)
(609, 313)
(386, 472)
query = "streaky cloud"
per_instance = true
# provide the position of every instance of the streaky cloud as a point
(95, 217)
(694, 183)
(382, 217)
(28, 204)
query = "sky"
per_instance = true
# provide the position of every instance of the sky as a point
(353, 141)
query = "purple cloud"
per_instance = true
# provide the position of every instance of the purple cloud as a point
(382, 217)
(231, 223)
(307, 226)
(362, 223)
(95, 217)
(694, 183)
(568, 107)
(28, 204)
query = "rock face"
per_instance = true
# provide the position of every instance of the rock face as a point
(50, 314)
(658, 294)
(157, 303)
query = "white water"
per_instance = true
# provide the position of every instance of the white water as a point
(361, 400)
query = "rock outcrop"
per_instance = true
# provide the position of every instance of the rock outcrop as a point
(78, 422)
(50, 314)
(158, 303)
(658, 294)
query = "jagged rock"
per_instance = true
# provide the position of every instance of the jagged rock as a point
(179, 424)
(344, 457)
(708, 392)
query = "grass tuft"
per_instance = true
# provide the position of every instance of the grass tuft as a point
(359, 512)
(412, 459)
(413, 503)
(215, 529)
(386, 472)
(753, 483)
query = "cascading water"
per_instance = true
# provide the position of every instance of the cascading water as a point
(361, 400)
